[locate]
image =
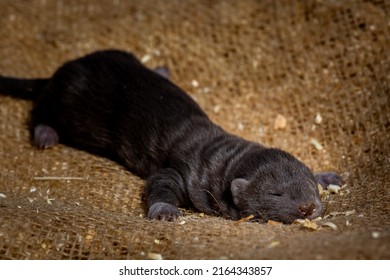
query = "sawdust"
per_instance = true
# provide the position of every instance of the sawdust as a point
(323, 65)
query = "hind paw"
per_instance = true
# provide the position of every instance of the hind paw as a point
(329, 178)
(45, 136)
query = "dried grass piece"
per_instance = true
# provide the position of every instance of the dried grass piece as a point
(49, 200)
(244, 219)
(346, 213)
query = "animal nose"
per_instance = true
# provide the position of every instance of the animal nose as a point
(307, 210)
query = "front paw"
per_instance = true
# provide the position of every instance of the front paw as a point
(163, 211)
(329, 178)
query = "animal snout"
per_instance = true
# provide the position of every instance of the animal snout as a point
(307, 210)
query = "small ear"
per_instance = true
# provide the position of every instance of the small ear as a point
(237, 187)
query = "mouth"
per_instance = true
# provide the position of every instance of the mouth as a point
(315, 214)
(286, 219)
(287, 214)
(292, 215)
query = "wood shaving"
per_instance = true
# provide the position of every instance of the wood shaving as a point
(330, 224)
(334, 188)
(244, 219)
(321, 191)
(310, 225)
(273, 223)
(88, 237)
(154, 256)
(273, 244)
(217, 109)
(306, 223)
(2, 195)
(318, 119)
(195, 83)
(298, 222)
(280, 122)
(146, 58)
(316, 144)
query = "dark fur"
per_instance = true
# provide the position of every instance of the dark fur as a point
(109, 104)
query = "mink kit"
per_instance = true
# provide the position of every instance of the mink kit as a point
(109, 104)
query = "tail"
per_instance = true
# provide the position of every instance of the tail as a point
(22, 88)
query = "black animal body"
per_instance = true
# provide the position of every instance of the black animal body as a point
(109, 104)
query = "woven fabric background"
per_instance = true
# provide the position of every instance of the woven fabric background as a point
(245, 62)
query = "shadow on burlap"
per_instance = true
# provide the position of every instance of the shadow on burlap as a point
(244, 62)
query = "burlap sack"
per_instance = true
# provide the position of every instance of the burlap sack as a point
(322, 65)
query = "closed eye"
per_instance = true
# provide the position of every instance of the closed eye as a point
(275, 194)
